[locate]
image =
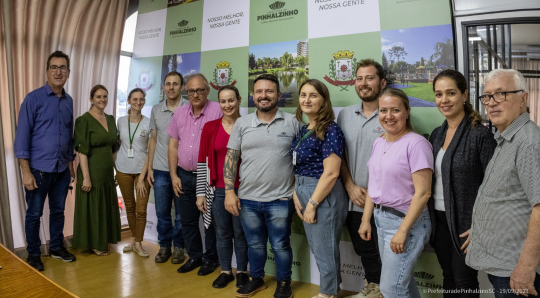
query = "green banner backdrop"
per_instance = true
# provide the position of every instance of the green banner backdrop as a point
(234, 41)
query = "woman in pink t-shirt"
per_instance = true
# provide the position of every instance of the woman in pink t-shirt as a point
(400, 170)
(211, 189)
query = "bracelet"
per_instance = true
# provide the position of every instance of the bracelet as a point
(315, 204)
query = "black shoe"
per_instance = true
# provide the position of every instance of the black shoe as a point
(178, 256)
(283, 289)
(207, 268)
(241, 279)
(35, 261)
(190, 265)
(163, 255)
(222, 280)
(251, 288)
(63, 255)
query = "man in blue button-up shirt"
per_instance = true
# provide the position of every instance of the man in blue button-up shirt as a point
(44, 147)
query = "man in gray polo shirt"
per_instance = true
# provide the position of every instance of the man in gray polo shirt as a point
(262, 140)
(361, 126)
(505, 231)
(158, 171)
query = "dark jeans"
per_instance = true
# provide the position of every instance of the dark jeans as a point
(164, 198)
(367, 250)
(228, 227)
(54, 185)
(190, 214)
(456, 274)
(263, 221)
(501, 285)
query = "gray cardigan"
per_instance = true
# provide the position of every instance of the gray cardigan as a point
(463, 167)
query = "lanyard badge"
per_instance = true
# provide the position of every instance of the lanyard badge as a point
(132, 136)
(299, 142)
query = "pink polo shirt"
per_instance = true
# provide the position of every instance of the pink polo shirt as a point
(186, 128)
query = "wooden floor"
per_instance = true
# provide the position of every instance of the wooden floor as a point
(18, 279)
(128, 275)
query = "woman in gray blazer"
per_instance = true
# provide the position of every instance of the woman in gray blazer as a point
(462, 148)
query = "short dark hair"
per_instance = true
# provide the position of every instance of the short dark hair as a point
(371, 62)
(174, 73)
(268, 77)
(58, 54)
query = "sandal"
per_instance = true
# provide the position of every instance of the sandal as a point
(100, 253)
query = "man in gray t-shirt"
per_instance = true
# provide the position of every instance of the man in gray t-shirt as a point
(360, 125)
(158, 171)
(262, 140)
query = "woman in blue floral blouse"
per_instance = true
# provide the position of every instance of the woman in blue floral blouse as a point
(319, 198)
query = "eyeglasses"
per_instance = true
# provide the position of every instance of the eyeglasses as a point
(55, 68)
(498, 97)
(198, 91)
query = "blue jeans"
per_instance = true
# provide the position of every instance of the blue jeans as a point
(228, 227)
(54, 185)
(501, 286)
(324, 235)
(190, 216)
(263, 221)
(397, 278)
(164, 198)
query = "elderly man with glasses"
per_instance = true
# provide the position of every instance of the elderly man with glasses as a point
(185, 137)
(505, 232)
(44, 147)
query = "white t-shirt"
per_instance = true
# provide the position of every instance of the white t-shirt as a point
(438, 189)
(140, 145)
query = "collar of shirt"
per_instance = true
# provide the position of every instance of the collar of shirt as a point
(51, 92)
(256, 122)
(360, 111)
(202, 111)
(512, 129)
(164, 107)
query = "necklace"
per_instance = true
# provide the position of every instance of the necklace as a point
(387, 148)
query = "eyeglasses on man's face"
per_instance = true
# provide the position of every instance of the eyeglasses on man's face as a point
(498, 97)
(198, 91)
(55, 68)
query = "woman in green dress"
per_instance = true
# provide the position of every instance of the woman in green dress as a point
(97, 219)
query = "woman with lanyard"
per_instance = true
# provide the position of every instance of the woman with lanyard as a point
(134, 131)
(319, 197)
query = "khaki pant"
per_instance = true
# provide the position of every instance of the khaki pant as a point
(135, 210)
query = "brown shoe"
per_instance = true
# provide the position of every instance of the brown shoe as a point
(178, 256)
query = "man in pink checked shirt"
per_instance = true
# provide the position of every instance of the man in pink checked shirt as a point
(185, 136)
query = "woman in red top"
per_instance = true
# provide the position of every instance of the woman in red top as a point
(211, 189)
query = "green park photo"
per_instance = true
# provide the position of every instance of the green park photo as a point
(412, 57)
(288, 61)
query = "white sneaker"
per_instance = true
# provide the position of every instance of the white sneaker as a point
(370, 290)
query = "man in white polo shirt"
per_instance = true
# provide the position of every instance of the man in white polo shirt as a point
(262, 140)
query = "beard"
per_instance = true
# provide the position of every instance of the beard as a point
(373, 95)
(272, 106)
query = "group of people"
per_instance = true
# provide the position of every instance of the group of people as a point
(472, 195)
